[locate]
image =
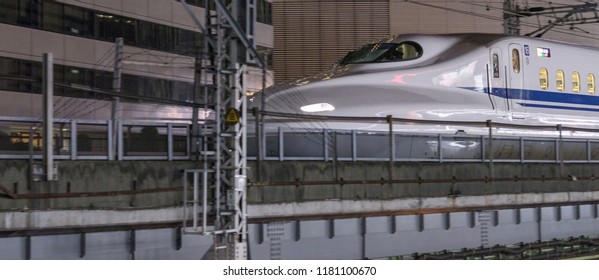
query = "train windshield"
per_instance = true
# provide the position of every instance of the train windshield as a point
(383, 52)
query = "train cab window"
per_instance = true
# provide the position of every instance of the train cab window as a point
(575, 82)
(591, 83)
(384, 52)
(516, 60)
(559, 80)
(543, 78)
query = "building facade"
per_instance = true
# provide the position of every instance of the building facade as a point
(160, 46)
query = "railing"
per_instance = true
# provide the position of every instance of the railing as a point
(21, 138)
(358, 145)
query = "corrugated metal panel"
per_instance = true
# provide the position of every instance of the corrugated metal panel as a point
(311, 35)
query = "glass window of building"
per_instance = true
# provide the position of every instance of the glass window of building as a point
(107, 26)
(29, 12)
(52, 16)
(76, 21)
(559, 80)
(575, 82)
(543, 78)
(130, 31)
(264, 12)
(591, 83)
(9, 11)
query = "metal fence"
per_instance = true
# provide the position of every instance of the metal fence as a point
(22, 138)
(355, 145)
(369, 146)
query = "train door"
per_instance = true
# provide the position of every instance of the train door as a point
(515, 75)
(498, 83)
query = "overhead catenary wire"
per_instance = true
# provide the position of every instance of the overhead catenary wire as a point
(497, 18)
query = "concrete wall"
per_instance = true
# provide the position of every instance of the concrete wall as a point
(328, 171)
(110, 176)
(96, 176)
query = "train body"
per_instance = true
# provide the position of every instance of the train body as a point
(457, 77)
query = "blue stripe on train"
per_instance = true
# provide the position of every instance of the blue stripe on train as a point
(559, 107)
(547, 96)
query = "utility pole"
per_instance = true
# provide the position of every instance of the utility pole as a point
(116, 87)
(48, 96)
(511, 19)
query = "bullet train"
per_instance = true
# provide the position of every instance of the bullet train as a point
(458, 77)
(450, 85)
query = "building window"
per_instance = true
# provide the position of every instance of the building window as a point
(52, 17)
(108, 26)
(559, 80)
(77, 21)
(264, 12)
(591, 83)
(25, 76)
(543, 78)
(29, 12)
(516, 60)
(8, 11)
(575, 82)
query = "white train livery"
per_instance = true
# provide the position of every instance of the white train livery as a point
(457, 77)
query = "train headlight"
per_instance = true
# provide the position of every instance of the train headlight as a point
(318, 107)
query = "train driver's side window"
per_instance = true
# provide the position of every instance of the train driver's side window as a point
(591, 83)
(543, 78)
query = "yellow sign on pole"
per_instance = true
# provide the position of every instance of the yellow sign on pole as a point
(232, 116)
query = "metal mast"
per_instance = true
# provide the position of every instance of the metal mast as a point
(222, 136)
(511, 19)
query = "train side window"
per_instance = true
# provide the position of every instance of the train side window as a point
(495, 66)
(591, 83)
(516, 60)
(575, 82)
(543, 78)
(559, 80)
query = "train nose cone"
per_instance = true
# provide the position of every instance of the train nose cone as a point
(295, 91)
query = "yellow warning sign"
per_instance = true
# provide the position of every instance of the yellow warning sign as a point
(232, 116)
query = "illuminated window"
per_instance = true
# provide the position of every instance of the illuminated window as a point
(516, 60)
(575, 82)
(543, 78)
(559, 80)
(591, 83)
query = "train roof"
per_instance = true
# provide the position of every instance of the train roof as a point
(481, 38)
